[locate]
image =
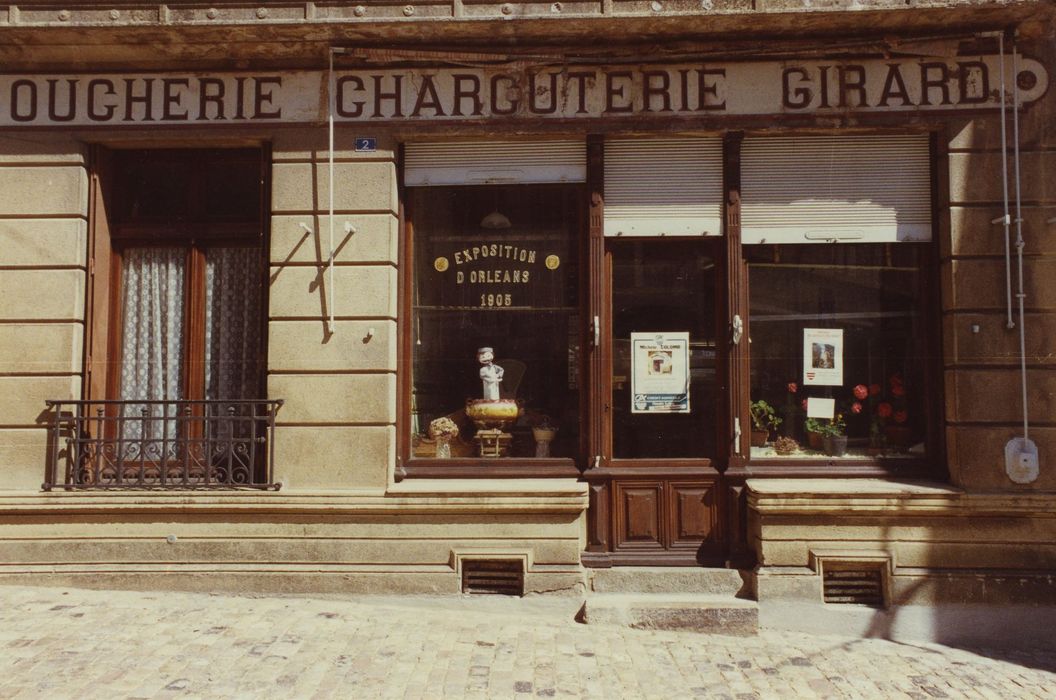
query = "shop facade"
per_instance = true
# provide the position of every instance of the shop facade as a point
(430, 316)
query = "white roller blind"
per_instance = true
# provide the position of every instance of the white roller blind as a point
(494, 162)
(809, 189)
(663, 187)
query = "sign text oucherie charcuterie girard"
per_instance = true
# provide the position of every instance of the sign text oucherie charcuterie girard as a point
(387, 95)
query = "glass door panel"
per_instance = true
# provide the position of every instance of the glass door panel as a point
(663, 299)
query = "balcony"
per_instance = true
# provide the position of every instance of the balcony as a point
(207, 444)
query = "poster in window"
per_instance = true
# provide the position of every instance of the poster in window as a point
(660, 373)
(822, 356)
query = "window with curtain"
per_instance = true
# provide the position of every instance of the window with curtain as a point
(189, 283)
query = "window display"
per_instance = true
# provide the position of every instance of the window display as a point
(496, 322)
(837, 350)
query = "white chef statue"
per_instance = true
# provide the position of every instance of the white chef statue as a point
(490, 373)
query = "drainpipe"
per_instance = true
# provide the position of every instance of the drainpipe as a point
(1021, 454)
(331, 108)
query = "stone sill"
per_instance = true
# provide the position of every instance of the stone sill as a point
(421, 496)
(888, 497)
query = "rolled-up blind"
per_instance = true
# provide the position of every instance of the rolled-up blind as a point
(663, 186)
(494, 162)
(812, 189)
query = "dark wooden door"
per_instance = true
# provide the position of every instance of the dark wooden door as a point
(657, 478)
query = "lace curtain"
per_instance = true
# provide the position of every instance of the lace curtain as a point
(152, 300)
(232, 323)
(153, 355)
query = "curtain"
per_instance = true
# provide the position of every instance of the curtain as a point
(232, 323)
(153, 281)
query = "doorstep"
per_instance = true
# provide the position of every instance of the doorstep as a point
(671, 598)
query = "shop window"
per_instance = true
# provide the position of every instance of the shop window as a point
(496, 321)
(838, 350)
(837, 232)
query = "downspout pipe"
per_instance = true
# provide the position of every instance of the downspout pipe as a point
(1006, 218)
(1021, 454)
(331, 108)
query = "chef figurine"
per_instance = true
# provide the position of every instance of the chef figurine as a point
(490, 373)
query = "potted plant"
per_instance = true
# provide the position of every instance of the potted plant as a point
(834, 436)
(764, 419)
(815, 433)
(785, 446)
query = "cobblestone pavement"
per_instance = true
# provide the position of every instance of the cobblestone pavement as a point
(66, 643)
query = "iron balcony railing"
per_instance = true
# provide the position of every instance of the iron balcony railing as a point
(162, 444)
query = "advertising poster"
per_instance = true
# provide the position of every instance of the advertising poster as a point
(822, 356)
(659, 372)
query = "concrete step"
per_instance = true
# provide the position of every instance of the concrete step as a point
(667, 579)
(714, 614)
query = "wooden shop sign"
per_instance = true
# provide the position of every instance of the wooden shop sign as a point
(574, 92)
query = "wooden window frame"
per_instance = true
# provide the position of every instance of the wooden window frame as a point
(733, 460)
(109, 238)
(476, 467)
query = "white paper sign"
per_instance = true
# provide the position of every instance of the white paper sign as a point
(821, 408)
(659, 372)
(822, 356)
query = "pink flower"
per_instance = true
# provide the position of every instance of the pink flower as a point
(803, 403)
(896, 379)
(898, 390)
(861, 391)
(874, 389)
(856, 407)
(792, 388)
(901, 417)
(884, 410)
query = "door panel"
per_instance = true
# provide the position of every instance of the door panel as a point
(639, 507)
(693, 515)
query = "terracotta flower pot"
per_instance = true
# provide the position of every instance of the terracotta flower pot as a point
(759, 437)
(815, 441)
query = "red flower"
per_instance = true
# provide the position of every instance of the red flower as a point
(898, 390)
(803, 403)
(901, 417)
(896, 380)
(884, 410)
(874, 389)
(792, 388)
(856, 407)
(861, 391)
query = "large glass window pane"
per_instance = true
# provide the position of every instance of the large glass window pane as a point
(836, 330)
(496, 267)
(666, 289)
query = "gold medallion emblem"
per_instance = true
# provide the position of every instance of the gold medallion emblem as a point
(440, 264)
(552, 262)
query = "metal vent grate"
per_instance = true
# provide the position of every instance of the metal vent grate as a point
(859, 585)
(495, 576)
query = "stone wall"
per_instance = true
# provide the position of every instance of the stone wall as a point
(336, 430)
(982, 374)
(43, 224)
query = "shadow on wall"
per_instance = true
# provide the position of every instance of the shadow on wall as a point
(318, 285)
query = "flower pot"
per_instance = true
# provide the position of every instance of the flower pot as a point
(815, 441)
(759, 437)
(835, 445)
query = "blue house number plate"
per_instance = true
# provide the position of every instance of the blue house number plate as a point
(366, 144)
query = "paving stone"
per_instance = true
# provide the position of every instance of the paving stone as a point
(58, 643)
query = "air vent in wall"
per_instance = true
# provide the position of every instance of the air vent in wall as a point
(858, 584)
(495, 576)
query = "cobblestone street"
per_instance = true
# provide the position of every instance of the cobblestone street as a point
(65, 643)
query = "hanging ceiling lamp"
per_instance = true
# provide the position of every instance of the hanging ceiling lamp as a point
(495, 220)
